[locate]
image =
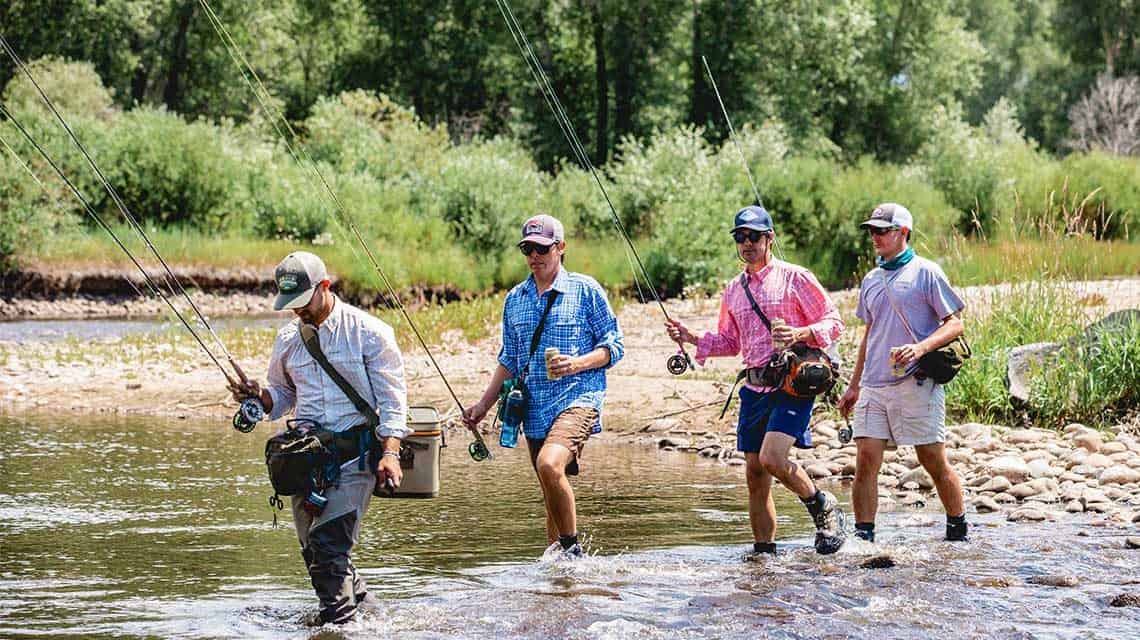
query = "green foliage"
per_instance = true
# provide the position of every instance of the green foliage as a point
(33, 208)
(286, 205)
(73, 87)
(170, 171)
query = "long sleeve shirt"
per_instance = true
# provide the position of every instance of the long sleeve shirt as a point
(782, 290)
(580, 321)
(363, 349)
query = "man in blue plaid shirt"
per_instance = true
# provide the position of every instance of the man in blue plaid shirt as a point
(566, 396)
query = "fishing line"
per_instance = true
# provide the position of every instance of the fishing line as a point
(478, 449)
(131, 219)
(679, 362)
(155, 289)
(739, 148)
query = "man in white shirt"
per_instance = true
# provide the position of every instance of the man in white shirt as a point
(362, 348)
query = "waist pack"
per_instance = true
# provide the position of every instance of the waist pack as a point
(293, 455)
(802, 371)
(942, 364)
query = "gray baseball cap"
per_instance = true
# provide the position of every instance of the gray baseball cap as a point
(889, 215)
(297, 278)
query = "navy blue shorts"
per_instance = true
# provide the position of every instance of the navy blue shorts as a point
(775, 411)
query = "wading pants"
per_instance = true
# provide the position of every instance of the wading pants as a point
(327, 541)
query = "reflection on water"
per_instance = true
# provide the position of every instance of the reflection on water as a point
(145, 528)
(25, 331)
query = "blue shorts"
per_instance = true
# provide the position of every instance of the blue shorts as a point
(775, 411)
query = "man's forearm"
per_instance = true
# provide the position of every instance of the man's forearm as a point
(950, 329)
(391, 444)
(860, 359)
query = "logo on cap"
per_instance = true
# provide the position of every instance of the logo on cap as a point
(532, 227)
(287, 282)
(748, 216)
(880, 214)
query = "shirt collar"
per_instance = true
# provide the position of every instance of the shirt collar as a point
(762, 273)
(561, 282)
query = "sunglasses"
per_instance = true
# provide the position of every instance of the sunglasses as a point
(880, 231)
(528, 248)
(751, 234)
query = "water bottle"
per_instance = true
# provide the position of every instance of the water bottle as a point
(514, 410)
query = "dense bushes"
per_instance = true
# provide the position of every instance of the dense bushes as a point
(415, 192)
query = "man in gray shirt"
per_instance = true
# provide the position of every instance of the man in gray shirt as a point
(362, 348)
(910, 310)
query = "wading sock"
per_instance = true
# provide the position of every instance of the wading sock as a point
(865, 531)
(814, 504)
(764, 547)
(568, 541)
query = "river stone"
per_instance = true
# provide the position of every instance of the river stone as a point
(1087, 471)
(825, 430)
(1040, 468)
(913, 500)
(1023, 491)
(1072, 427)
(983, 504)
(881, 561)
(1125, 600)
(1025, 436)
(979, 480)
(1045, 497)
(710, 451)
(1090, 442)
(998, 484)
(972, 430)
(1027, 514)
(1035, 454)
(897, 469)
(1099, 507)
(1004, 498)
(818, 470)
(1098, 461)
(672, 441)
(1055, 581)
(1011, 467)
(1093, 495)
(958, 456)
(661, 425)
(1110, 448)
(1124, 457)
(1119, 474)
(734, 462)
(982, 445)
(1069, 476)
(918, 476)
(1075, 506)
(1075, 457)
(1132, 542)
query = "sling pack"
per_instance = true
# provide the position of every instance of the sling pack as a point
(512, 411)
(941, 364)
(799, 370)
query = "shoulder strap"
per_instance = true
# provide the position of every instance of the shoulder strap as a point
(752, 301)
(542, 322)
(891, 301)
(313, 346)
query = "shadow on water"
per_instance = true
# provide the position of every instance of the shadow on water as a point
(153, 528)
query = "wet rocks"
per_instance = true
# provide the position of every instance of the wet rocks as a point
(986, 504)
(1028, 514)
(1119, 474)
(1125, 600)
(1011, 468)
(672, 442)
(1089, 441)
(1132, 543)
(919, 477)
(881, 561)
(1055, 581)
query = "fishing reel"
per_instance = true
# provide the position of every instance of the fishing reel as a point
(679, 363)
(478, 450)
(248, 415)
(845, 432)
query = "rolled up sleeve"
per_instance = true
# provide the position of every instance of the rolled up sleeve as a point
(726, 340)
(508, 353)
(604, 326)
(278, 383)
(385, 366)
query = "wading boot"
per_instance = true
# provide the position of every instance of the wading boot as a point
(830, 525)
(956, 531)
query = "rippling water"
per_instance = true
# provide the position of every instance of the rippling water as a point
(158, 528)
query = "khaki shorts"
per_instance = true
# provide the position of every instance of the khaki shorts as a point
(907, 413)
(571, 429)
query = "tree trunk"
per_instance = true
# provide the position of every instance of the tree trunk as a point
(602, 112)
(698, 99)
(627, 47)
(174, 93)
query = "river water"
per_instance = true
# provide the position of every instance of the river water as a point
(145, 528)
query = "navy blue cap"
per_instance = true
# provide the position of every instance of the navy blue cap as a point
(753, 217)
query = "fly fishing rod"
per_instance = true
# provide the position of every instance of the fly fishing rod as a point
(739, 148)
(679, 362)
(251, 411)
(478, 448)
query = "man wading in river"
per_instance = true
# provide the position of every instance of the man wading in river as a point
(771, 420)
(362, 348)
(565, 394)
(893, 402)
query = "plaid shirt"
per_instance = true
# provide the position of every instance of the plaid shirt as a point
(782, 290)
(579, 322)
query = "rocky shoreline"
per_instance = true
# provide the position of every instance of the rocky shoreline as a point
(1028, 474)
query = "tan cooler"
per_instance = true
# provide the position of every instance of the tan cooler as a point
(419, 455)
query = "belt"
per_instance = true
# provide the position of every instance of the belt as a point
(353, 442)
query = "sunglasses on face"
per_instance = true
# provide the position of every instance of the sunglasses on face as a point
(528, 248)
(880, 231)
(750, 234)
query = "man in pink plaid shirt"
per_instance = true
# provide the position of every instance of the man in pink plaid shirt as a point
(772, 421)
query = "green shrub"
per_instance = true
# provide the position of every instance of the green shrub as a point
(34, 208)
(74, 88)
(286, 204)
(169, 171)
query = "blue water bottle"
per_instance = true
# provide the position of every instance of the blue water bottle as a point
(513, 412)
